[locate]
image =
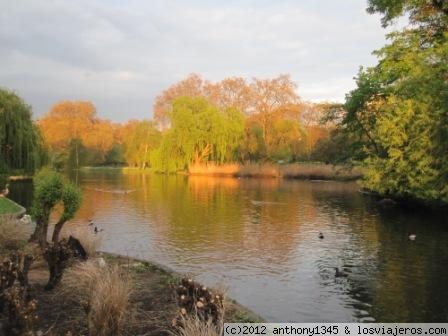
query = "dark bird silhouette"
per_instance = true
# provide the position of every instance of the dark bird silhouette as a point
(96, 230)
(321, 235)
(387, 202)
(77, 247)
(339, 273)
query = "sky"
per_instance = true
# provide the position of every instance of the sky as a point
(120, 54)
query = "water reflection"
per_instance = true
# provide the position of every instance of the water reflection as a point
(259, 237)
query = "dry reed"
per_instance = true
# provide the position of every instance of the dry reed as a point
(320, 171)
(293, 170)
(194, 326)
(103, 292)
(259, 170)
(228, 169)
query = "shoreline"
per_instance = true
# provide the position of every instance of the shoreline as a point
(298, 171)
(152, 305)
(153, 265)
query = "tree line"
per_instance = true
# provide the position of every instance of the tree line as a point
(394, 123)
(396, 120)
(195, 122)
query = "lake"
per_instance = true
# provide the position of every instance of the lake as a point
(259, 238)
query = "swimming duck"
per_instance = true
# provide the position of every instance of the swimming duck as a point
(96, 230)
(412, 236)
(321, 235)
(339, 273)
(90, 222)
(387, 202)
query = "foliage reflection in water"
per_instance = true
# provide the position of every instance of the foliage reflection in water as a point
(259, 237)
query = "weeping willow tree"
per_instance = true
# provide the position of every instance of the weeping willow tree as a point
(140, 143)
(21, 145)
(199, 133)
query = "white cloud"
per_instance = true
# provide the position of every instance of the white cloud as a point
(121, 54)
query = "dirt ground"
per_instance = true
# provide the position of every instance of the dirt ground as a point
(152, 307)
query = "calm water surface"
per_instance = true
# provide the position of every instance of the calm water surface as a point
(259, 238)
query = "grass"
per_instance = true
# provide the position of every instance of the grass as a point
(104, 294)
(7, 206)
(246, 317)
(13, 234)
(193, 326)
(139, 295)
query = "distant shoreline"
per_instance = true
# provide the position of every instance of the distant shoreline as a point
(303, 171)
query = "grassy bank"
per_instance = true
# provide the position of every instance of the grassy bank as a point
(149, 311)
(108, 295)
(8, 207)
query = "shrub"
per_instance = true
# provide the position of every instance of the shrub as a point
(103, 292)
(201, 310)
(50, 188)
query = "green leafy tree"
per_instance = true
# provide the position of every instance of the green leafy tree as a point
(51, 188)
(21, 145)
(429, 15)
(71, 200)
(400, 107)
(286, 142)
(141, 142)
(115, 156)
(253, 147)
(199, 133)
(77, 153)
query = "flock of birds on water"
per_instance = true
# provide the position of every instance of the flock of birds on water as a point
(339, 272)
(95, 230)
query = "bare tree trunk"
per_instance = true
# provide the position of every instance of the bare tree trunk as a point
(57, 231)
(77, 157)
(43, 235)
(145, 157)
(40, 232)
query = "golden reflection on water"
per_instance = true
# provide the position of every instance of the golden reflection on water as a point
(259, 236)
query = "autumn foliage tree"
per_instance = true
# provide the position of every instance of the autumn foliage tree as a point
(72, 127)
(192, 86)
(236, 120)
(271, 110)
(200, 132)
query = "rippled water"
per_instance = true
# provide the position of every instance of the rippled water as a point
(259, 237)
